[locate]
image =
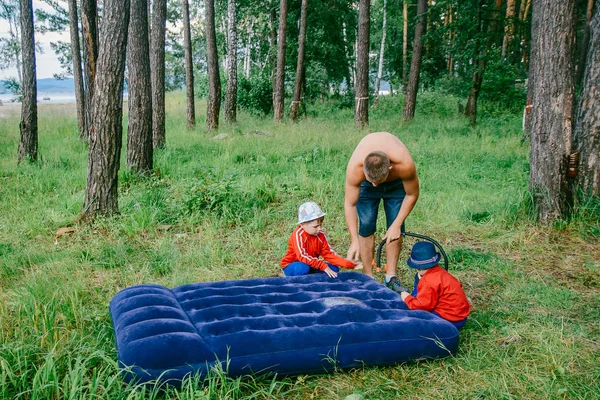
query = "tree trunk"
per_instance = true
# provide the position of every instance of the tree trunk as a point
(231, 89)
(101, 197)
(272, 55)
(381, 51)
(89, 26)
(405, 46)
(587, 124)
(350, 77)
(553, 92)
(480, 58)
(509, 29)
(584, 42)
(28, 143)
(157, 71)
(415, 64)
(448, 21)
(214, 80)
(523, 14)
(77, 74)
(189, 68)
(478, 67)
(139, 133)
(298, 86)
(361, 108)
(247, 52)
(279, 97)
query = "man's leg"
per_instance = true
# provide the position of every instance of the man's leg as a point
(392, 251)
(366, 253)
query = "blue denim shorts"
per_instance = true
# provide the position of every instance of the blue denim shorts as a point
(367, 207)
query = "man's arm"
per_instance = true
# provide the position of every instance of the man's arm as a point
(411, 187)
(350, 200)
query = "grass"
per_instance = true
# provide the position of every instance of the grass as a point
(220, 209)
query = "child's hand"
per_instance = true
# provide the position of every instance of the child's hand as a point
(358, 266)
(331, 273)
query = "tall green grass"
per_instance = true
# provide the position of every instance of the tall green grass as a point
(219, 209)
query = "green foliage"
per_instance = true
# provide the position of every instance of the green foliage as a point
(255, 94)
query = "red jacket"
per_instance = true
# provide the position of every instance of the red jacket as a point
(307, 249)
(440, 292)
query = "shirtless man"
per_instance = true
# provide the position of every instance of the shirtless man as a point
(381, 168)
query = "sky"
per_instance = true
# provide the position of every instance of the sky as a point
(47, 63)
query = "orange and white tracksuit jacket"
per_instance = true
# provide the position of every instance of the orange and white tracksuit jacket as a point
(307, 249)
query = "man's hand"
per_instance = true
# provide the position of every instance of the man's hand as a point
(353, 252)
(357, 266)
(392, 234)
(331, 273)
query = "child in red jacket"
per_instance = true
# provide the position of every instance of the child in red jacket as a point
(437, 290)
(308, 242)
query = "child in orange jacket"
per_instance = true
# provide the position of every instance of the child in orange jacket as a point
(437, 290)
(308, 242)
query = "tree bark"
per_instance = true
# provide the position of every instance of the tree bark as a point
(405, 46)
(298, 86)
(231, 89)
(77, 74)
(584, 42)
(361, 108)
(89, 26)
(509, 29)
(381, 53)
(214, 80)
(523, 15)
(587, 125)
(139, 133)
(552, 64)
(415, 64)
(157, 71)
(248, 49)
(272, 56)
(480, 58)
(189, 67)
(279, 97)
(101, 197)
(28, 143)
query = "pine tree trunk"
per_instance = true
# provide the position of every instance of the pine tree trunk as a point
(523, 15)
(272, 56)
(189, 68)
(587, 125)
(28, 143)
(415, 64)
(231, 89)
(157, 71)
(480, 57)
(296, 99)
(509, 29)
(139, 133)
(361, 101)
(214, 80)
(584, 42)
(89, 27)
(381, 53)
(552, 64)
(405, 46)
(101, 197)
(77, 74)
(279, 97)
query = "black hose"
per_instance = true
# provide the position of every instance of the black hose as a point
(419, 236)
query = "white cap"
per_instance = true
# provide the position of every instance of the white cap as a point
(309, 211)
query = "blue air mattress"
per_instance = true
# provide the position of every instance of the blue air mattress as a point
(289, 325)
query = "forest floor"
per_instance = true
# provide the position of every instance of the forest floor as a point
(223, 209)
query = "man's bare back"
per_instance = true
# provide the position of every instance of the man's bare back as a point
(401, 161)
